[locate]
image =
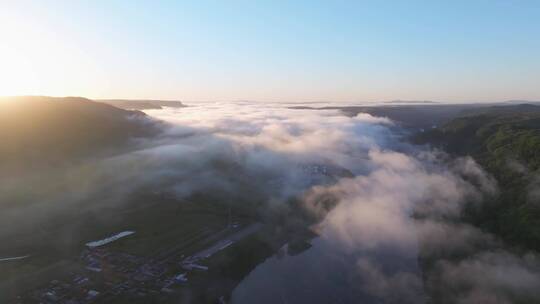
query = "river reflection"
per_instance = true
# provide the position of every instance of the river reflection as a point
(325, 273)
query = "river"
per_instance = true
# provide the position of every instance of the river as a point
(325, 273)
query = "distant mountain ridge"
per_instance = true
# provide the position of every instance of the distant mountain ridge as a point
(522, 101)
(411, 102)
(141, 104)
(427, 114)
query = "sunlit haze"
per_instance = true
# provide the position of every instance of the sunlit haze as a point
(272, 50)
(240, 152)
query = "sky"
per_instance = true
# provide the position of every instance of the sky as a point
(347, 51)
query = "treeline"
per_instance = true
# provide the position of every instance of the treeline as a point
(505, 141)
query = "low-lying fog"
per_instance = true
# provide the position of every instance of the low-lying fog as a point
(403, 201)
(396, 202)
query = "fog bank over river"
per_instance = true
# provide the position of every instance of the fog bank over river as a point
(401, 205)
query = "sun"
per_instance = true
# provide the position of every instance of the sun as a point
(36, 60)
(16, 74)
(18, 50)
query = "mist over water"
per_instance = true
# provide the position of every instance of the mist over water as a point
(402, 204)
(340, 267)
(310, 152)
(382, 209)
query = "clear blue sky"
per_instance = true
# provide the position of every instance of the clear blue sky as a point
(272, 50)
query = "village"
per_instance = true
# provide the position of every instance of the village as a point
(110, 274)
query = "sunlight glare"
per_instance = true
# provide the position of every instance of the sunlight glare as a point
(35, 61)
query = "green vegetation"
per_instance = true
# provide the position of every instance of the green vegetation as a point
(505, 140)
(39, 131)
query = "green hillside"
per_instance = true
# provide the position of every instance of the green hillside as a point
(505, 140)
(49, 131)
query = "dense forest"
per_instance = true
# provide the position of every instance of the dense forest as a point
(505, 140)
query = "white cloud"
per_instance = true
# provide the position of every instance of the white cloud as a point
(400, 199)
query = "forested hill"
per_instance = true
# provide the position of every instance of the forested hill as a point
(505, 140)
(47, 131)
(495, 135)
